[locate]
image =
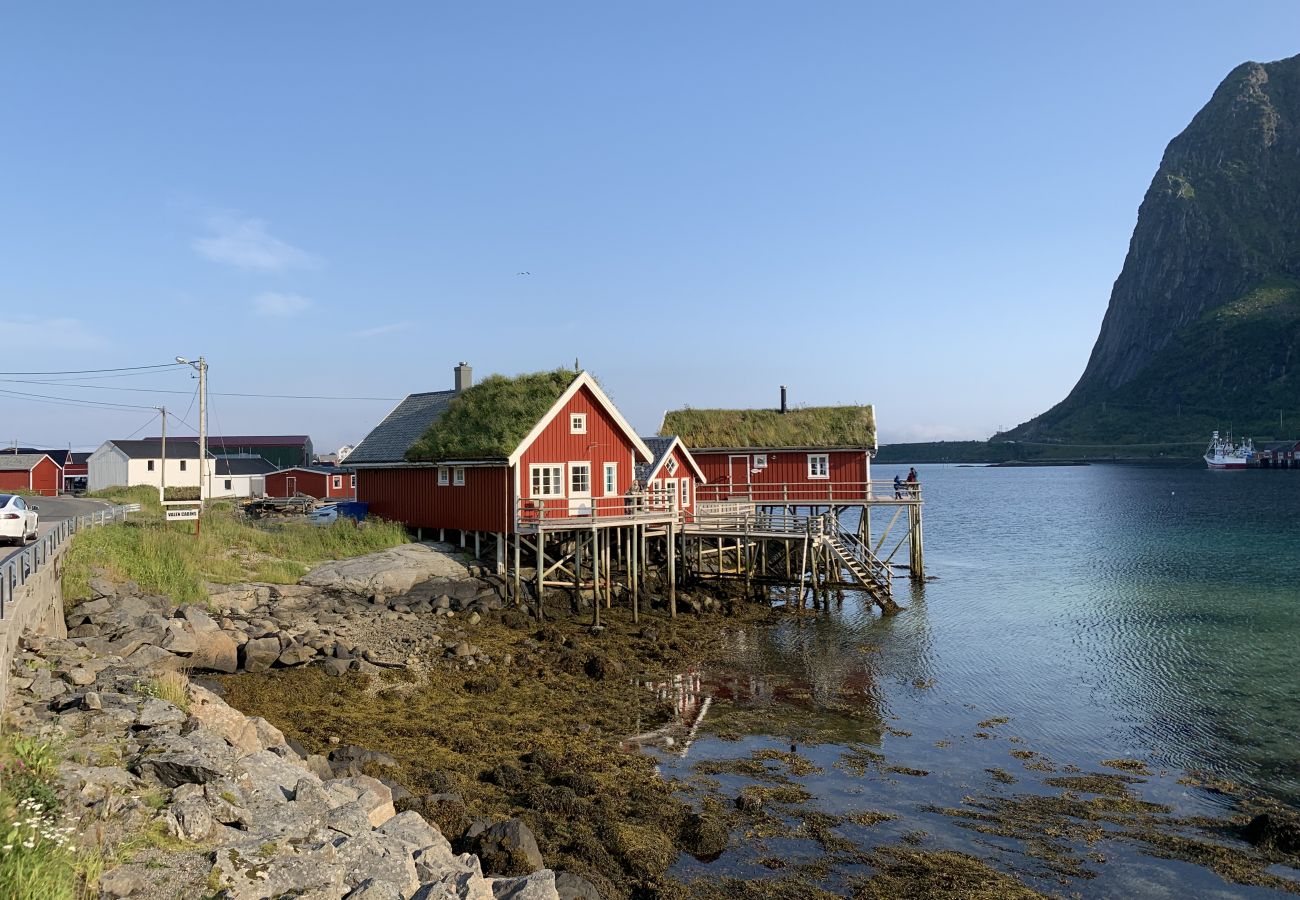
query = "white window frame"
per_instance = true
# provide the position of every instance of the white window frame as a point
(558, 480)
(685, 485)
(820, 472)
(354, 482)
(579, 464)
(444, 476)
(760, 460)
(610, 479)
(336, 482)
(458, 476)
(577, 423)
(671, 466)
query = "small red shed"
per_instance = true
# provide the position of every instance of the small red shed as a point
(35, 472)
(673, 474)
(321, 482)
(809, 456)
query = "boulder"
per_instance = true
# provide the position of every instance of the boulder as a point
(575, 887)
(216, 651)
(120, 883)
(177, 639)
(101, 588)
(353, 760)
(373, 795)
(370, 889)
(461, 885)
(80, 677)
(536, 886)
(214, 713)
(508, 848)
(296, 655)
(260, 654)
(245, 873)
(387, 573)
(366, 856)
(155, 712)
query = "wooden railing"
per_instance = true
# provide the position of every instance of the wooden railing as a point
(637, 507)
(810, 492)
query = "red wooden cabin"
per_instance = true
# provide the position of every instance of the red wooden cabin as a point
(321, 482)
(798, 457)
(572, 460)
(673, 475)
(35, 472)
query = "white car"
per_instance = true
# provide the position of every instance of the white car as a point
(18, 520)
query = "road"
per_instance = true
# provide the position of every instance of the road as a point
(52, 511)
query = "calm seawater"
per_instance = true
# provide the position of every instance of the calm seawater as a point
(1106, 611)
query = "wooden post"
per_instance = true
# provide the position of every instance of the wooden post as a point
(632, 576)
(577, 567)
(596, 576)
(519, 592)
(609, 572)
(478, 550)
(541, 570)
(672, 572)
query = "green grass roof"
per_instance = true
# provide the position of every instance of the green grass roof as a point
(490, 419)
(812, 426)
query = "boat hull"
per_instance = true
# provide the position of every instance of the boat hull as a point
(1225, 464)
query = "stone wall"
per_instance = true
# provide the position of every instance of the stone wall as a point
(36, 608)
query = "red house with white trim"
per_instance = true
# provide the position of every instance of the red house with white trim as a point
(35, 472)
(508, 451)
(814, 456)
(321, 482)
(673, 473)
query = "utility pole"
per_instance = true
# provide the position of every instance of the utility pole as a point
(203, 430)
(162, 475)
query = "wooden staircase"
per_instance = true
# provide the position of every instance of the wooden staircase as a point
(874, 576)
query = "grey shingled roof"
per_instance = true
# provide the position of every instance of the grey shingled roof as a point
(176, 449)
(658, 447)
(19, 462)
(390, 439)
(243, 465)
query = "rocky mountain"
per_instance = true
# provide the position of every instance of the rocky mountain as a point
(1203, 327)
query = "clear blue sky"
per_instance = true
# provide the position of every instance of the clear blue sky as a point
(918, 206)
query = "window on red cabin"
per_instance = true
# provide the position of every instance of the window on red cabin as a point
(458, 476)
(671, 466)
(336, 482)
(819, 465)
(686, 492)
(578, 423)
(580, 479)
(611, 479)
(444, 476)
(354, 482)
(546, 481)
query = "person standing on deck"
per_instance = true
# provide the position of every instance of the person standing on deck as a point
(898, 488)
(912, 481)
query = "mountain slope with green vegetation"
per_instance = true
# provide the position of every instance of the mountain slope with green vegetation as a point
(1203, 327)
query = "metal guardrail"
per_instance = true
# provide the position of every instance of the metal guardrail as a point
(15, 571)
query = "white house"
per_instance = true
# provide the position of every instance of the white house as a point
(240, 476)
(128, 463)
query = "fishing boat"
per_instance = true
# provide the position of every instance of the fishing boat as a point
(1224, 454)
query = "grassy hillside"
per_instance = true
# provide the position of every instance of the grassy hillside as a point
(167, 558)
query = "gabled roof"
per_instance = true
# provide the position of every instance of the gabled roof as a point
(21, 462)
(811, 428)
(388, 441)
(584, 380)
(180, 448)
(59, 456)
(250, 440)
(80, 459)
(319, 470)
(242, 465)
(662, 448)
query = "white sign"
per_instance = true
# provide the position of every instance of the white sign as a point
(183, 515)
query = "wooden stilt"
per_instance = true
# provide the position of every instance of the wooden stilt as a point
(541, 573)
(672, 572)
(633, 576)
(478, 549)
(595, 576)
(519, 593)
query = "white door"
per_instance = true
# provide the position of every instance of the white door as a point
(580, 489)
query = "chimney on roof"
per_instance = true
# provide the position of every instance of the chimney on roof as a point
(464, 377)
(783, 406)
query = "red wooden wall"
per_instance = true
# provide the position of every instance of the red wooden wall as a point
(413, 497)
(786, 475)
(603, 442)
(46, 478)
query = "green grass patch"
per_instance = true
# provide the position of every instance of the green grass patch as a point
(37, 856)
(810, 426)
(490, 419)
(169, 559)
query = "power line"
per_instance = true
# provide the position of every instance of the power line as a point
(71, 401)
(147, 423)
(101, 387)
(94, 371)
